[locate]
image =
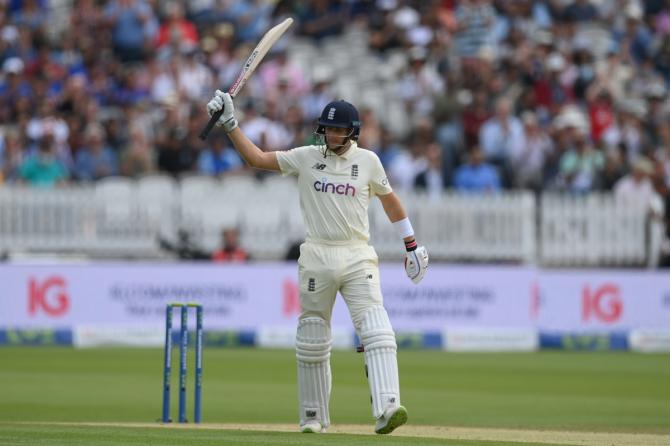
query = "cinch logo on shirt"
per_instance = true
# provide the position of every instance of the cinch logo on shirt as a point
(334, 188)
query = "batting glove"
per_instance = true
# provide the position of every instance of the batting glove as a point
(416, 263)
(223, 101)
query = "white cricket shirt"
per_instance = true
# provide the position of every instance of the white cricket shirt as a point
(335, 191)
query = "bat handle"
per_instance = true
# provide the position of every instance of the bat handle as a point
(210, 125)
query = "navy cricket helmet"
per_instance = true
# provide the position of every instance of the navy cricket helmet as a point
(341, 114)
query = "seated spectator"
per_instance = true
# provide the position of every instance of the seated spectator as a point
(178, 155)
(96, 159)
(419, 84)
(580, 167)
(279, 69)
(476, 175)
(388, 149)
(219, 158)
(133, 24)
(370, 135)
(177, 31)
(137, 156)
(474, 115)
(475, 25)
(431, 179)
(43, 169)
(11, 156)
(580, 11)
(502, 135)
(321, 18)
(230, 250)
(404, 167)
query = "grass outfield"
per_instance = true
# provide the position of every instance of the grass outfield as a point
(557, 391)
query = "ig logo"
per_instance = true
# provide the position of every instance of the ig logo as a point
(49, 296)
(604, 303)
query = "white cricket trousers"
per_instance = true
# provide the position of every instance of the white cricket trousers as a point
(326, 268)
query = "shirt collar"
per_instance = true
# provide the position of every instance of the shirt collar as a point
(353, 147)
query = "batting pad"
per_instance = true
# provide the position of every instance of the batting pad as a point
(312, 345)
(380, 358)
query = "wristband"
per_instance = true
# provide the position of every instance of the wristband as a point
(411, 245)
(404, 228)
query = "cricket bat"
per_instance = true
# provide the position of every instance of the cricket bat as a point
(255, 58)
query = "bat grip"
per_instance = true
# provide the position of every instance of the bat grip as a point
(210, 125)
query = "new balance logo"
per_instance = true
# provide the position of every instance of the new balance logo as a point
(311, 284)
(310, 413)
(319, 166)
(369, 276)
(354, 171)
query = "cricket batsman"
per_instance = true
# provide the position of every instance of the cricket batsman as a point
(336, 180)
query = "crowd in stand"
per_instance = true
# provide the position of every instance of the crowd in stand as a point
(566, 95)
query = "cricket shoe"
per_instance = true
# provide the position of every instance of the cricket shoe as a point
(312, 427)
(392, 419)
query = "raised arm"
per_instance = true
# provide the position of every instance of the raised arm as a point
(251, 153)
(416, 259)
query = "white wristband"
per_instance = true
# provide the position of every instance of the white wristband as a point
(404, 228)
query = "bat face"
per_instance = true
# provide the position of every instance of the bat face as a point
(249, 67)
(257, 55)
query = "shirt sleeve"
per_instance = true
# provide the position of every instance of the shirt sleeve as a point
(290, 161)
(379, 182)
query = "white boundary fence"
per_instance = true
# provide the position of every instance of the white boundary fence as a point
(122, 218)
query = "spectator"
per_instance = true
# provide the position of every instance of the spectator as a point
(264, 132)
(601, 110)
(636, 188)
(279, 69)
(322, 18)
(11, 155)
(614, 170)
(580, 11)
(219, 158)
(133, 25)
(385, 34)
(251, 19)
(581, 166)
(431, 179)
(419, 84)
(475, 114)
(475, 22)
(477, 175)
(177, 33)
(137, 156)
(502, 138)
(550, 90)
(408, 164)
(230, 250)
(370, 136)
(96, 159)
(43, 169)
(636, 37)
(388, 149)
(529, 162)
(193, 77)
(321, 93)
